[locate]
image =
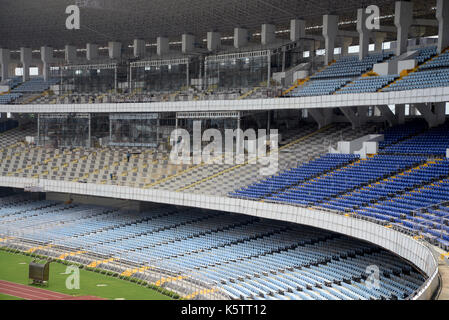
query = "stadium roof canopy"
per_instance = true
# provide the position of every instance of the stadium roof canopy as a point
(42, 22)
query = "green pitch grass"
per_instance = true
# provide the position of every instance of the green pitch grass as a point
(14, 268)
(6, 297)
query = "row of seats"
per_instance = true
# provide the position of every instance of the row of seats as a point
(351, 66)
(425, 54)
(410, 179)
(421, 80)
(35, 85)
(442, 61)
(432, 142)
(430, 74)
(339, 74)
(294, 176)
(397, 133)
(9, 97)
(355, 175)
(320, 87)
(367, 84)
(400, 210)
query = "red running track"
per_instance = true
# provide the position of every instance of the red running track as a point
(31, 293)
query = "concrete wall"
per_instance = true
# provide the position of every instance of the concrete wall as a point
(386, 68)
(350, 147)
(124, 204)
(406, 65)
(97, 201)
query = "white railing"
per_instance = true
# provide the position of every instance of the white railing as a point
(430, 95)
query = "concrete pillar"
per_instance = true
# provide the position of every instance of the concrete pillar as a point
(364, 33)
(346, 43)
(322, 116)
(47, 58)
(355, 119)
(268, 34)
(330, 30)
(362, 113)
(188, 43)
(400, 113)
(297, 29)
(443, 21)
(92, 51)
(139, 48)
(26, 56)
(5, 57)
(213, 41)
(163, 46)
(240, 37)
(115, 50)
(70, 54)
(434, 114)
(379, 41)
(388, 115)
(403, 20)
(440, 112)
(313, 47)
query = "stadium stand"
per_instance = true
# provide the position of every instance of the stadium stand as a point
(351, 66)
(301, 146)
(295, 176)
(339, 74)
(35, 85)
(346, 178)
(367, 84)
(363, 147)
(246, 257)
(433, 73)
(9, 97)
(398, 185)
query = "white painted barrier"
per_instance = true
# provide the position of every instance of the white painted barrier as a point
(330, 101)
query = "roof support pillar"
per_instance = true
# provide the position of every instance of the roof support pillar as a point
(47, 58)
(115, 50)
(330, 30)
(139, 48)
(268, 34)
(5, 57)
(240, 37)
(92, 51)
(163, 46)
(213, 41)
(443, 21)
(297, 29)
(188, 43)
(26, 57)
(403, 20)
(364, 33)
(70, 54)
